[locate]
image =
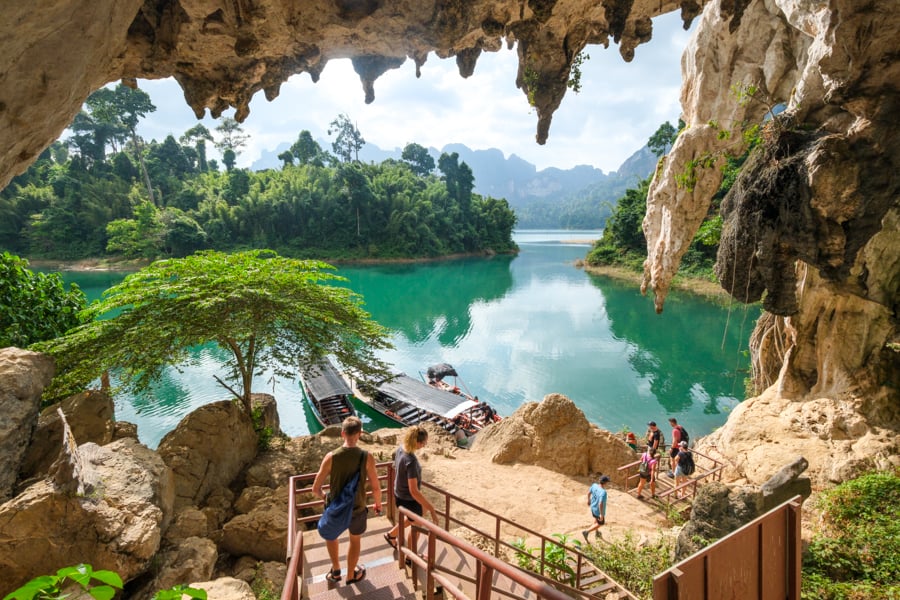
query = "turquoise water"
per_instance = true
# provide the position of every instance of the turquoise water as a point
(516, 329)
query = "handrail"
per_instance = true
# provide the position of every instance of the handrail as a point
(687, 489)
(291, 590)
(486, 565)
(572, 554)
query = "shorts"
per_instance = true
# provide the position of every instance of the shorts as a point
(599, 520)
(359, 521)
(674, 451)
(648, 476)
(410, 505)
(679, 472)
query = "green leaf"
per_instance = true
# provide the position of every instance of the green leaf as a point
(108, 577)
(102, 592)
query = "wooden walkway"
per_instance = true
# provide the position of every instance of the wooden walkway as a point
(669, 496)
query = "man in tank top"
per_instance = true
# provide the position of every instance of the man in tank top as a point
(339, 466)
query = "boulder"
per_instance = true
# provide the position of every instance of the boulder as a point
(265, 413)
(553, 434)
(118, 526)
(192, 559)
(23, 377)
(226, 588)
(188, 522)
(261, 532)
(124, 429)
(717, 511)
(786, 484)
(90, 417)
(208, 449)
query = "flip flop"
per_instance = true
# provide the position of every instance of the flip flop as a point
(392, 541)
(333, 576)
(359, 573)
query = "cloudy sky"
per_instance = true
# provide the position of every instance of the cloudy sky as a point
(619, 107)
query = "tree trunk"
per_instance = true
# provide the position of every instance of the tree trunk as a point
(140, 157)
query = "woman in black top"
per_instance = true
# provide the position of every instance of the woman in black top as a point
(408, 478)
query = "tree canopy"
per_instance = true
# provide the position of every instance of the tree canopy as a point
(92, 203)
(34, 306)
(265, 310)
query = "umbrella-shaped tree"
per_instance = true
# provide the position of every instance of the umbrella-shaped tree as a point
(267, 311)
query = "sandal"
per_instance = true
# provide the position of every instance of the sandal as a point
(391, 540)
(333, 576)
(359, 573)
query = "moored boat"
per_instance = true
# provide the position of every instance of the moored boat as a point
(473, 419)
(327, 393)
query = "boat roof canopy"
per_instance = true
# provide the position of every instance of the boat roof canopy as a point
(420, 394)
(323, 380)
(438, 372)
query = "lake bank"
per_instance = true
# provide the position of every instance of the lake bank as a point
(710, 290)
(127, 265)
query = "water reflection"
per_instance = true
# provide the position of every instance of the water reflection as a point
(420, 299)
(516, 329)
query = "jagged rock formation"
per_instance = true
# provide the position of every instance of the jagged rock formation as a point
(207, 450)
(553, 434)
(118, 524)
(810, 227)
(88, 414)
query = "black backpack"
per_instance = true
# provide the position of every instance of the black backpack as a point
(686, 462)
(684, 434)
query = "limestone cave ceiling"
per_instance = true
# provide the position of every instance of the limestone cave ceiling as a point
(223, 52)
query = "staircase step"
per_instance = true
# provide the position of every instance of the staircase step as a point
(382, 582)
(600, 589)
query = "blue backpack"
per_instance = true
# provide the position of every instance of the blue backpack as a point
(339, 512)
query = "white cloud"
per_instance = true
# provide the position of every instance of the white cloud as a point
(619, 107)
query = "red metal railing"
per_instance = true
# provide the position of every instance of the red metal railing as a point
(707, 469)
(584, 573)
(485, 566)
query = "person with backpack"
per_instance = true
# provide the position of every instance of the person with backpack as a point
(339, 467)
(679, 434)
(647, 472)
(684, 466)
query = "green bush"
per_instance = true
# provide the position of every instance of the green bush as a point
(855, 553)
(631, 563)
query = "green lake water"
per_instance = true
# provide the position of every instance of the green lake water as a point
(516, 329)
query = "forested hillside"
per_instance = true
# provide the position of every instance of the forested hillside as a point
(552, 198)
(106, 191)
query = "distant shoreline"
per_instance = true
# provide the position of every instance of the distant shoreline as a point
(87, 265)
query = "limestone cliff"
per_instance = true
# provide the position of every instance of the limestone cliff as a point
(811, 228)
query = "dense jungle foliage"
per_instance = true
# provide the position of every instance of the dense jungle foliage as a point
(104, 191)
(853, 554)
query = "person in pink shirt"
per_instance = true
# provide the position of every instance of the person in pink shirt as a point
(647, 472)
